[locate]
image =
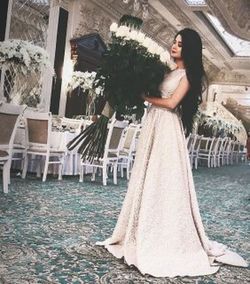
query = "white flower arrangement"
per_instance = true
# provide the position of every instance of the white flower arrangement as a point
(220, 124)
(86, 81)
(25, 55)
(128, 33)
(216, 117)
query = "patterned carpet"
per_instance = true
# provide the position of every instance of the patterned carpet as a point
(48, 230)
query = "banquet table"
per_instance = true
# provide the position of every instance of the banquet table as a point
(59, 140)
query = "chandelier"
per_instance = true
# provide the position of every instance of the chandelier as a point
(139, 4)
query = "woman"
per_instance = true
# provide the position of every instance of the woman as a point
(159, 229)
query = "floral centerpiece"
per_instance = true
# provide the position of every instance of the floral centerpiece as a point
(88, 83)
(23, 54)
(21, 59)
(133, 65)
(213, 119)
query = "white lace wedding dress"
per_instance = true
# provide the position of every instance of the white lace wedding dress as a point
(159, 229)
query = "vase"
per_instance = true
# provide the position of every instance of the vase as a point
(22, 86)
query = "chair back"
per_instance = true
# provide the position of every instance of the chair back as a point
(206, 144)
(228, 146)
(10, 116)
(216, 145)
(113, 137)
(236, 147)
(38, 127)
(223, 145)
(190, 142)
(129, 139)
(197, 143)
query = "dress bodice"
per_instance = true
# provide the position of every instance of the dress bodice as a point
(171, 82)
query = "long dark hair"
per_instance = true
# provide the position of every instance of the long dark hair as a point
(192, 56)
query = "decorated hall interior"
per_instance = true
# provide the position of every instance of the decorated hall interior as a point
(71, 115)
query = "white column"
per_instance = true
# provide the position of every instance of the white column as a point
(51, 48)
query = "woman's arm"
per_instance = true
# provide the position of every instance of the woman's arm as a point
(173, 101)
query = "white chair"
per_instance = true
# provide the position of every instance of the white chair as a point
(110, 157)
(189, 140)
(38, 135)
(9, 119)
(227, 152)
(235, 152)
(195, 150)
(190, 146)
(220, 154)
(205, 151)
(136, 143)
(243, 153)
(215, 153)
(19, 145)
(127, 148)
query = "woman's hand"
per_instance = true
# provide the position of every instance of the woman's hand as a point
(148, 99)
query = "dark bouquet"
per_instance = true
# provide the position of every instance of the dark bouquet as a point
(132, 66)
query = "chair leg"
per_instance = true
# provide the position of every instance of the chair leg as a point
(45, 170)
(191, 157)
(81, 173)
(8, 170)
(5, 177)
(38, 168)
(93, 174)
(25, 166)
(196, 162)
(213, 165)
(115, 173)
(122, 173)
(104, 174)
(22, 162)
(60, 169)
(78, 163)
(127, 169)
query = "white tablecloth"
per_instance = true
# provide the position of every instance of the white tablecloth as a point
(59, 141)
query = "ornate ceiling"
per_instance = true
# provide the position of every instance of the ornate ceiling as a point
(166, 17)
(234, 15)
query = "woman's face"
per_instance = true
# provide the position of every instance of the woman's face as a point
(176, 48)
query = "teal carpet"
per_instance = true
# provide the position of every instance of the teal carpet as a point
(48, 230)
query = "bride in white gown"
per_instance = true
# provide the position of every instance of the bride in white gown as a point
(159, 229)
